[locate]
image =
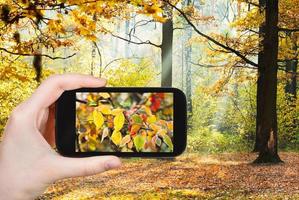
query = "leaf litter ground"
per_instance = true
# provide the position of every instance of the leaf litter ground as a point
(190, 176)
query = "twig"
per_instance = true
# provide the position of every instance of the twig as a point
(138, 43)
(36, 54)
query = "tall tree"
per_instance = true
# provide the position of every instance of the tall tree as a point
(127, 29)
(188, 60)
(166, 45)
(166, 51)
(291, 67)
(267, 116)
(268, 127)
(291, 84)
(260, 79)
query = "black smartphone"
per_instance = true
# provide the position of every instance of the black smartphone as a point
(126, 122)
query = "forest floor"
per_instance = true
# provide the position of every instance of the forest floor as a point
(190, 176)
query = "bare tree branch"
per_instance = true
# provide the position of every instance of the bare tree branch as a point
(115, 60)
(138, 24)
(218, 66)
(288, 30)
(138, 43)
(252, 3)
(237, 53)
(44, 55)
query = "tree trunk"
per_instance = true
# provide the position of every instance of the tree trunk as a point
(127, 47)
(268, 127)
(260, 80)
(166, 53)
(291, 66)
(188, 59)
(38, 64)
(291, 89)
(188, 54)
(291, 85)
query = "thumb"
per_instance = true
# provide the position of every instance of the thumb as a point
(74, 167)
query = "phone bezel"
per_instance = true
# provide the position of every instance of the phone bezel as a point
(66, 115)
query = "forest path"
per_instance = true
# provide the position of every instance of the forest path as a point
(191, 176)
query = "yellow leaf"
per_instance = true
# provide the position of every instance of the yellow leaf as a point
(135, 128)
(105, 95)
(119, 121)
(116, 137)
(170, 125)
(92, 38)
(116, 111)
(160, 19)
(90, 118)
(147, 110)
(98, 119)
(148, 138)
(162, 132)
(105, 109)
(151, 119)
(168, 111)
(154, 127)
(92, 144)
(130, 144)
(150, 133)
(125, 140)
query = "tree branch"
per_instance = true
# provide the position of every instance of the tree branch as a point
(36, 54)
(81, 101)
(117, 59)
(218, 66)
(237, 53)
(138, 43)
(288, 30)
(252, 3)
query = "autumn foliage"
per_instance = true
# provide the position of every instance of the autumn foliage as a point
(127, 122)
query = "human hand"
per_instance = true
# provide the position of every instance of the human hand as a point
(28, 164)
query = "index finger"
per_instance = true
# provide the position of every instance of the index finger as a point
(51, 89)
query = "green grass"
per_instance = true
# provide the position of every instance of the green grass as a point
(212, 141)
(206, 140)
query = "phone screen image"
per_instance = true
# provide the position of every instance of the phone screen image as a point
(124, 122)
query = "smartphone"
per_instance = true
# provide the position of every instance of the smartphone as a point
(126, 122)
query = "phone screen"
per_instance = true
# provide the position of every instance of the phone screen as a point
(124, 122)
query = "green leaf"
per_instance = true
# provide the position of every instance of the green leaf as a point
(137, 119)
(139, 142)
(119, 121)
(168, 141)
(98, 119)
(92, 103)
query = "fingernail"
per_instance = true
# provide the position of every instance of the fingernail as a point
(113, 163)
